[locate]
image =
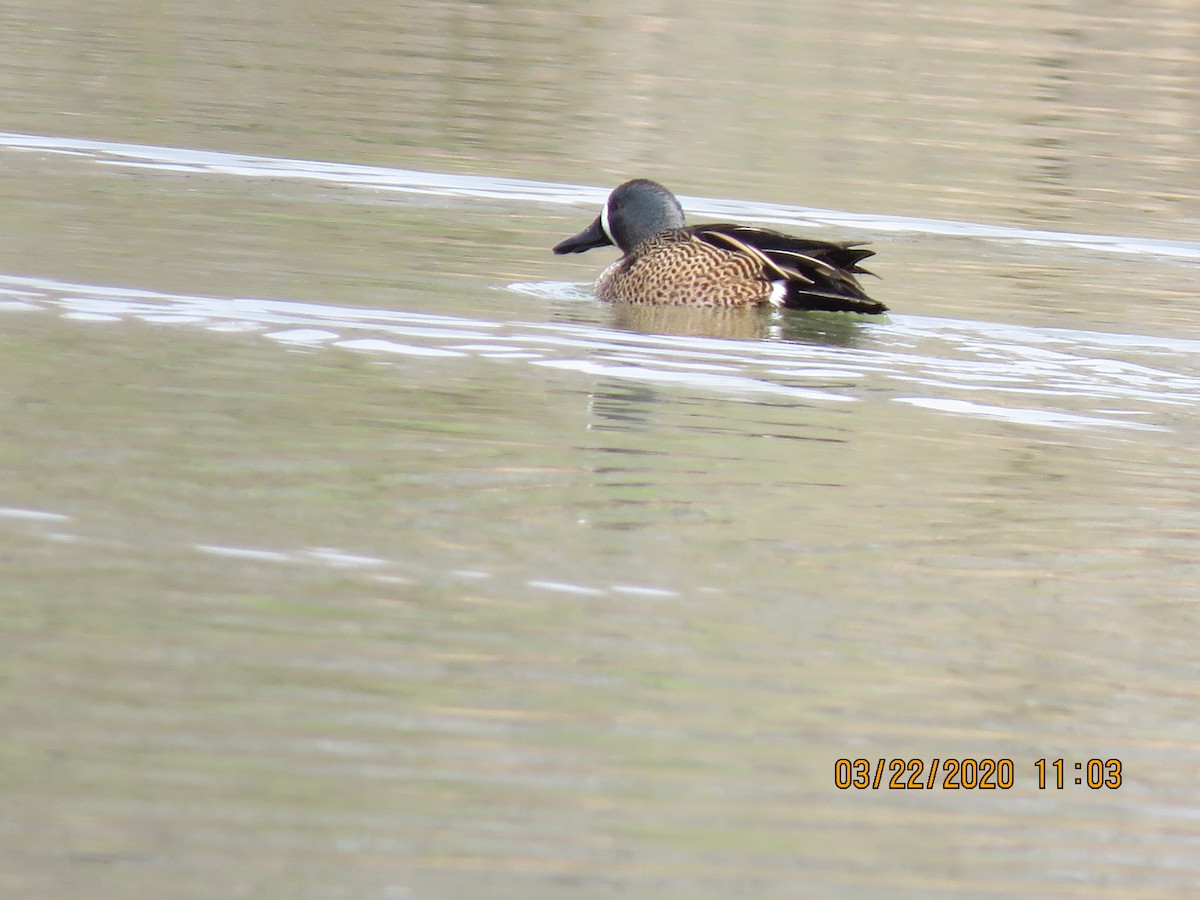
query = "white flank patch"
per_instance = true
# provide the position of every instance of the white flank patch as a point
(778, 293)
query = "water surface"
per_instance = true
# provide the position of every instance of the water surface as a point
(352, 549)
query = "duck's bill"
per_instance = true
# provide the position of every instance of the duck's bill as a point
(592, 236)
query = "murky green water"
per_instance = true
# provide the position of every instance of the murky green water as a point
(348, 548)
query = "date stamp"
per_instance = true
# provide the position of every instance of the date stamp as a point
(971, 774)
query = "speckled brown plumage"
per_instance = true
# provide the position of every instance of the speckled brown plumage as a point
(677, 269)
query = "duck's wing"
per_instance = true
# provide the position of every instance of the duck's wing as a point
(815, 274)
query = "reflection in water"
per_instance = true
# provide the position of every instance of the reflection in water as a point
(794, 326)
(831, 329)
(621, 406)
(741, 324)
(1051, 125)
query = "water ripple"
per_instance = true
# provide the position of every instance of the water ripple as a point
(441, 184)
(1051, 378)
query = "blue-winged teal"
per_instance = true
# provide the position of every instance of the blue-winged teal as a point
(668, 262)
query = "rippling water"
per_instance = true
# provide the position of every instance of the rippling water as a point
(352, 549)
(1025, 375)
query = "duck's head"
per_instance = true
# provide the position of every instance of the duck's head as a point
(635, 211)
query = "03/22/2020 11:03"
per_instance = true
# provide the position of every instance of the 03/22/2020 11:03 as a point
(967, 773)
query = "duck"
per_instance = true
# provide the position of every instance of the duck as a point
(665, 261)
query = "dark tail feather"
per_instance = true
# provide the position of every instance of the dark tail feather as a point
(845, 256)
(800, 297)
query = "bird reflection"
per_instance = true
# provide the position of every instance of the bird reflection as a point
(792, 326)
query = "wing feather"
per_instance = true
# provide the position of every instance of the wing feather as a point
(818, 274)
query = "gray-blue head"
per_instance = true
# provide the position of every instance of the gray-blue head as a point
(635, 211)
